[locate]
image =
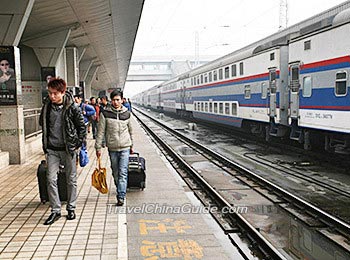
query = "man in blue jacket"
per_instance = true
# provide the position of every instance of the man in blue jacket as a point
(87, 110)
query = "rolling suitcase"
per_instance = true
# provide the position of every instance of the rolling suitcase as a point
(136, 171)
(62, 185)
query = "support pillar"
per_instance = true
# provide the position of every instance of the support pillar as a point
(72, 67)
(11, 120)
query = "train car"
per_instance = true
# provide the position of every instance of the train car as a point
(168, 92)
(247, 90)
(319, 80)
(293, 84)
(153, 97)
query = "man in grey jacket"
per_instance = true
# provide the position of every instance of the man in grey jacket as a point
(115, 125)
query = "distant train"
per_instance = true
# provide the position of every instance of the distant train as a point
(293, 84)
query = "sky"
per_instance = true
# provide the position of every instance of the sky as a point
(211, 28)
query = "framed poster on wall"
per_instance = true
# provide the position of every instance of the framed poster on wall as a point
(47, 73)
(8, 93)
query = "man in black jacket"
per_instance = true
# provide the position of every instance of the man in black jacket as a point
(64, 132)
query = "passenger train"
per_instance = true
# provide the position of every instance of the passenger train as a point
(293, 84)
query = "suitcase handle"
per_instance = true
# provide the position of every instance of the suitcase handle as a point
(135, 153)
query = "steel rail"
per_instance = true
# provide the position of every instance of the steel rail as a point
(257, 239)
(329, 220)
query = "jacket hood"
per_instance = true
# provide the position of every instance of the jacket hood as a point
(68, 99)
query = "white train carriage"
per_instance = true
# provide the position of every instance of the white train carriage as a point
(247, 89)
(168, 95)
(139, 99)
(319, 82)
(153, 97)
(293, 82)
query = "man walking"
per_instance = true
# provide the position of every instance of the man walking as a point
(94, 119)
(115, 124)
(86, 109)
(64, 132)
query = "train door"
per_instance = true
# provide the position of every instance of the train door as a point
(294, 86)
(272, 92)
(159, 105)
(183, 95)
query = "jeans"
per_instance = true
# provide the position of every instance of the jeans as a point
(54, 159)
(94, 124)
(119, 165)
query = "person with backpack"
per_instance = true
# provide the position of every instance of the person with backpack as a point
(86, 109)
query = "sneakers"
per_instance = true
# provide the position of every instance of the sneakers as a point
(120, 202)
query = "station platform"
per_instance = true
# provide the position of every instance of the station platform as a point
(164, 221)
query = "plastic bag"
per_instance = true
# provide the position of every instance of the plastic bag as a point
(83, 156)
(98, 178)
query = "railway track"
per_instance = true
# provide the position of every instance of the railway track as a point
(219, 193)
(321, 179)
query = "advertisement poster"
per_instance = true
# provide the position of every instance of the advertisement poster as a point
(8, 94)
(47, 73)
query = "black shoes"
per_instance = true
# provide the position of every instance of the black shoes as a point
(120, 202)
(52, 218)
(55, 216)
(71, 215)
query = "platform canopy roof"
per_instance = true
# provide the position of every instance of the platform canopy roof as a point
(104, 31)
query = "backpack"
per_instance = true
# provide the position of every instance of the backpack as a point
(90, 118)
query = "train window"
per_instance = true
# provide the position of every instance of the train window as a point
(202, 106)
(206, 106)
(202, 79)
(272, 56)
(263, 90)
(195, 106)
(221, 108)
(307, 45)
(233, 70)
(227, 72)
(241, 72)
(234, 109)
(247, 93)
(307, 86)
(198, 80)
(210, 107)
(215, 75)
(340, 84)
(206, 78)
(215, 107)
(227, 108)
(210, 76)
(191, 81)
(220, 74)
(198, 106)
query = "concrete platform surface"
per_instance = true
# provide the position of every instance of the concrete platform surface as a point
(162, 222)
